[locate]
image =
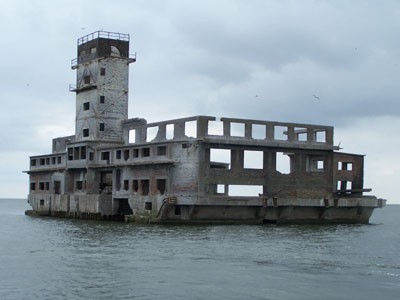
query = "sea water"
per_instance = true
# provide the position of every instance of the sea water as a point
(50, 258)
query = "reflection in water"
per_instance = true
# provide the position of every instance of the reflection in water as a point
(74, 259)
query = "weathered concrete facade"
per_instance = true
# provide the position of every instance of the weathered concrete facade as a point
(182, 170)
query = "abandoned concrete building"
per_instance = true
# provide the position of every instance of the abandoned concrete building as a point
(196, 169)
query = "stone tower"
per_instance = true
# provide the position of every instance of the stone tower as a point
(102, 66)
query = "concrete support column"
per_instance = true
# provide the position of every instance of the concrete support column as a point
(179, 130)
(227, 128)
(248, 130)
(291, 136)
(269, 132)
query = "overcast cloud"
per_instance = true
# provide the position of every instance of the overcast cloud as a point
(211, 58)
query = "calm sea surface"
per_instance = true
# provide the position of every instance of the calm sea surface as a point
(44, 258)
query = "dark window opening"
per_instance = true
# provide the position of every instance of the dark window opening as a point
(70, 153)
(91, 155)
(53, 160)
(178, 210)
(105, 155)
(76, 153)
(101, 127)
(79, 185)
(145, 186)
(126, 154)
(145, 152)
(102, 99)
(42, 161)
(162, 150)
(47, 186)
(118, 154)
(41, 186)
(118, 179)
(41, 202)
(86, 132)
(186, 145)
(33, 186)
(102, 71)
(148, 205)
(33, 162)
(126, 185)
(161, 185)
(83, 152)
(86, 79)
(135, 153)
(86, 106)
(135, 185)
(57, 187)
(59, 160)
(47, 160)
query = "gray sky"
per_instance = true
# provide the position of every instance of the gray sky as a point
(211, 58)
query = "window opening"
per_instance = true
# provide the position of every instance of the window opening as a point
(237, 129)
(245, 190)
(220, 158)
(145, 186)
(258, 131)
(105, 155)
(280, 133)
(33, 162)
(215, 128)
(83, 152)
(148, 205)
(102, 99)
(86, 106)
(135, 185)
(283, 162)
(101, 127)
(177, 210)
(320, 136)
(135, 153)
(145, 152)
(86, 79)
(253, 159)
(161, 150)
(151, 133)
(126, 184)
(191, 129)
(33, 186)
(132, 136)
(161, 185)
(169, 131)
(300, 134)
(126, 154)
(85, 132)
(118, 154)
(102, 71)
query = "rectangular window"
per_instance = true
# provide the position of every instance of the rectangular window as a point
(135, 185)
(41, 186)
(47, 160)
(105, 155)
(85, 132)
(86, 79)
(79, 185)
(53, 160)
(33, 162)
(118, 154)
(41, 202)
(57, 187)
(83, 152)
(42, 161)
(101, 127)
(102, 99)
(126, 154)
(148, 205)
(102, 71)
(70, 153)
(135, 153)
(86, 106)
(91, 155)
(145, 187)
(76, 153)
(33, 186)
(47, 186)
(59, 160)
(145, 152)
(161, 150)
(161, 185)
(126, 185)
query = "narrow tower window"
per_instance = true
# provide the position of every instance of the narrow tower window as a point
(86, 106)
(86, 79)
(102, 99)
(85, 132)
(102, 71)
(101, 126)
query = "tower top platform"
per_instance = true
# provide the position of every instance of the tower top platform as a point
(105, 35)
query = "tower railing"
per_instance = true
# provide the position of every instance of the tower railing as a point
(103, 34)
